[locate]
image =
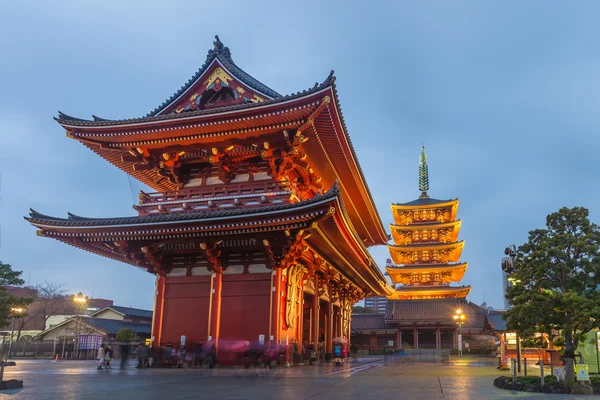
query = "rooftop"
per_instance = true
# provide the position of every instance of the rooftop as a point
(129, 311)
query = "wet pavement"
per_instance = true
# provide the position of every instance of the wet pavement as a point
(370, 378)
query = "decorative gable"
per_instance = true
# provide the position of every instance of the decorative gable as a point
(218, 83)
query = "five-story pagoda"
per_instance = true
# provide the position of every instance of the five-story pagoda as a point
(426, 250)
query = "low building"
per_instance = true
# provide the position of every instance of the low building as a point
(127, 314)
(106, 323)
(90, 326)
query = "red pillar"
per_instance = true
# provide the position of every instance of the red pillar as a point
(215, 311)
(315, 314)
(329, 331)
(276, 309)
(157, 315)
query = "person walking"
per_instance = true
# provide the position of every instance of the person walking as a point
(354, 352)
(337, 354)
(100, 356)
(294, 352)
(124, 349)
(108, 353)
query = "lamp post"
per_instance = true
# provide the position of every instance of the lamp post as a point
(80, 300)
(15, 312)
(460, 318)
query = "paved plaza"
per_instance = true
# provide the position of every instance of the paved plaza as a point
(372, 378)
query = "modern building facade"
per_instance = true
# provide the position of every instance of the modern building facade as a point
(377, 303)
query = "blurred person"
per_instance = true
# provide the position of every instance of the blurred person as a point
(100, 356)
(124, 349)
(337, 354)
(344, 353)
(108, 353)
(312, 353)
(169, 354)
(294, 352)
(142, 355)
(354, 352)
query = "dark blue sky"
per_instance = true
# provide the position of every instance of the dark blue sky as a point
(505, 96)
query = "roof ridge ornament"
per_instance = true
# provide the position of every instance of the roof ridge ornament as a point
(423, 174)
(218, 49)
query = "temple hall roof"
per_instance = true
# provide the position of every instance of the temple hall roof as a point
(426, 201)
(369, 322)
(435, 310)
(73, 220)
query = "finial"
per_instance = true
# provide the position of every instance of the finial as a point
(423, 174)
(217, 43)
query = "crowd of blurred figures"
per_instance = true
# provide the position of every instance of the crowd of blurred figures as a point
(230, 353)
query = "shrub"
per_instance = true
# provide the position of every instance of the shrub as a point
(125, 335)
(595, 381)
(535, 380)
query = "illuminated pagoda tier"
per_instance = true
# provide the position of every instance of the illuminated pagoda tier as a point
(426, 251)
(261, 218)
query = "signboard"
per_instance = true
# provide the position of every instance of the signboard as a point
(182, 342)
(261, 339)
(148, 342)
(559, 373)
(391, 343)
(89, 342)
(582, 372)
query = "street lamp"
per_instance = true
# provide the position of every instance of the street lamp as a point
(460, 318)
(80, 301)
(16, 311)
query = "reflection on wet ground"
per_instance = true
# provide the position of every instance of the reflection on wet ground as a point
(370, 378)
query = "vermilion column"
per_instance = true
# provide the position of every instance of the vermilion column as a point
(157, 315)
(315, 314)
(329, 329)
(276, 309)
(215, 312)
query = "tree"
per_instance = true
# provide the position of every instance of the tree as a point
(557, 296)
(50, 300)
(9, 277)
(126, 335)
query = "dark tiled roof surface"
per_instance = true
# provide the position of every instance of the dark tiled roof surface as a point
(63, 118)
(498, 323)
(362, 322)
(433, 287)
(425, 266)
(423, 202)
(221, 53)
(132, 312)
(435, 310)
(75, 220)
(112, 326)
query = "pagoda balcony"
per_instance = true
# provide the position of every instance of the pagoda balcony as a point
(241, 195)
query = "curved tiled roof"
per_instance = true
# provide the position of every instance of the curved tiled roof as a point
(67, 119)
(74, 220)
(426, 201)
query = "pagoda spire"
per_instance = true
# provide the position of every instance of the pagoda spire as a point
(423, 174)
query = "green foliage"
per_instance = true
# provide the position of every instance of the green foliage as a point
(11, 278)
(362, 310)
(126, 335)
(559, 274)
(536, 380)
(595, 381)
